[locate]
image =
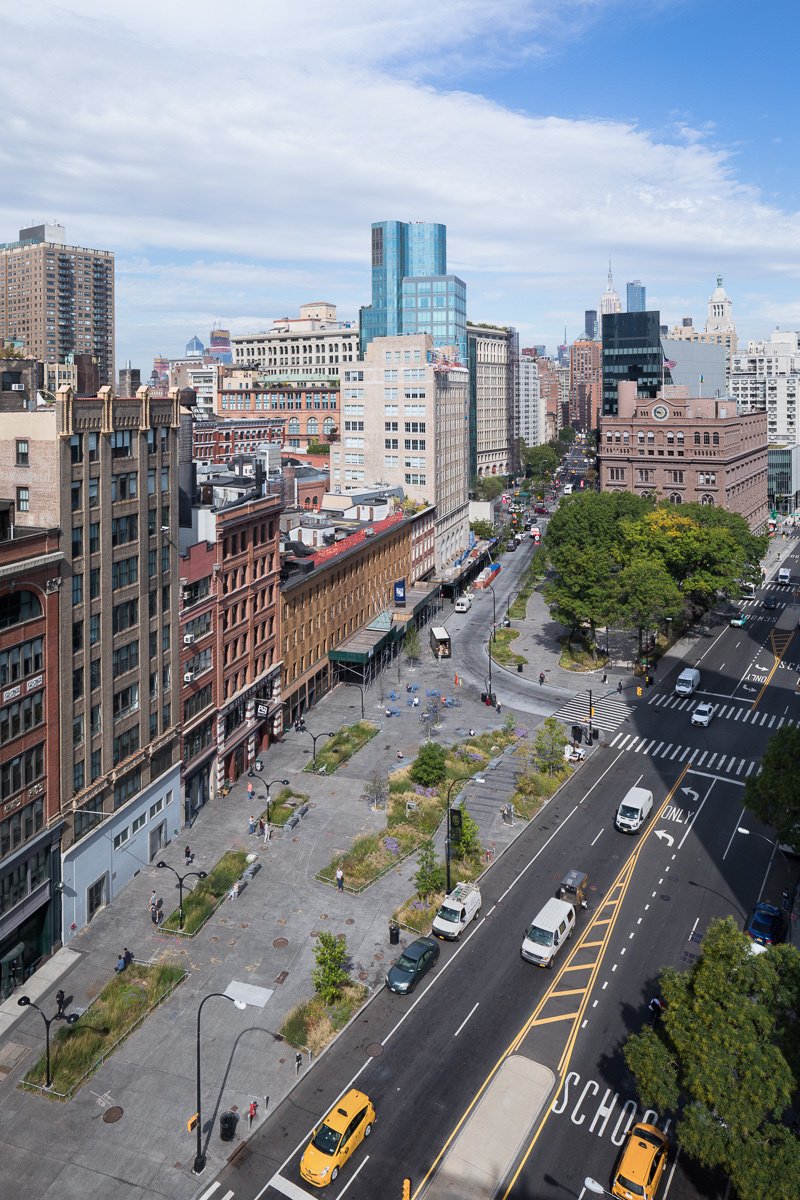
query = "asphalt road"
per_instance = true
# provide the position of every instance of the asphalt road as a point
(424, 1059)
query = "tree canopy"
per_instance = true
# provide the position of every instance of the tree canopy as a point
(774, 794)
(725, 1059)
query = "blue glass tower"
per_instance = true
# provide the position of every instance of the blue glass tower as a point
(636, 296)
(411, 291)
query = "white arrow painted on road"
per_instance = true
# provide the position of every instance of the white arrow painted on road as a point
(691, 792)
(749, 689)
(662, 833)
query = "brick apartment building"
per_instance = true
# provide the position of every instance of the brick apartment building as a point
(686, 449)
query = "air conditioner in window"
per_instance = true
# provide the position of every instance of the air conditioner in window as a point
(188, 638)
(188, 676)
(18, 387)
(184, 583)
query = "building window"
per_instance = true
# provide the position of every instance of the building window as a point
(94, 493)
(77, 541)
(122, 837)
(715, 439)
(617, 474)
(708, 500)
(96, 765)
(676, 498)
(93, 443)
(127, 787)
(23, 499)
(706, 439)
(94, 537)
(23, 452)
(76, 448)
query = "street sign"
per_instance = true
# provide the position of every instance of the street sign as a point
(262, 710)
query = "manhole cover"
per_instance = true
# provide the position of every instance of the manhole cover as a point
(214, 938)
(350, 921)
(323, 916)
(374, 1049)
(664, 896)
(377, 957)
(112, 1115)
(362, 975)
(280, 943)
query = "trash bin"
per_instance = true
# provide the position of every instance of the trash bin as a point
(483, 697)
(394, 933)
(595, 734)
(519, 667)
(227, 1126)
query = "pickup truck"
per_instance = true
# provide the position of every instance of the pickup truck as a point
(460, 907)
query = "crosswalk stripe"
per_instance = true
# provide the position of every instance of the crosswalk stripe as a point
(686, 751)
(711, 760)
(749, 769)
(702, 758)
(772, 722)
(674, 752)
(740, 768)
(658, 747)
(692, 756)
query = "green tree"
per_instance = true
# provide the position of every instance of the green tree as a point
(329, 976)
(489, 487)
(647, 593)
(774, 794)
(469, 844)
(717, 1058)
(548, 746)
(411, 642)
(430, 765)
(482, 529)
(429, 877)
(376, 790)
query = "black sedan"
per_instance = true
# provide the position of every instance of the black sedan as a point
(765, 925)
(770, 602)
(415, 961)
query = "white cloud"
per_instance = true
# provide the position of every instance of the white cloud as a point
(234, 158)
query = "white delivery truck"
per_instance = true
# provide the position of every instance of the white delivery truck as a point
(463, 603)
(458, 909)
(784, 575)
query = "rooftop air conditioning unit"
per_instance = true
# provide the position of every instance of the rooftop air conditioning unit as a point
(188, 638)
(188, 677)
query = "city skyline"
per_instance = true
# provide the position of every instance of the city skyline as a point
(234, 193)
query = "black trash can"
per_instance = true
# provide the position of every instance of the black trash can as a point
(519, 667)
(227, 1126)
(394, 933)
(595, 735)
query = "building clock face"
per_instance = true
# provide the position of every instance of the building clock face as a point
(660, 412)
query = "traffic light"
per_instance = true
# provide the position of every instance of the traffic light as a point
(591, 711)
(638, 691)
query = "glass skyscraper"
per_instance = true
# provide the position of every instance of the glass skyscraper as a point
(632, 351)
(636, 296)
(411, 291)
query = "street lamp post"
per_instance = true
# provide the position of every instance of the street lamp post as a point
(592, 1185)
(70, 1018)
(200, 1158)
(764, 838)
(453, 782)
(268, 798)
(512, 597)
(494, 609)
(360, 688)
(180, 878)
(314, 738)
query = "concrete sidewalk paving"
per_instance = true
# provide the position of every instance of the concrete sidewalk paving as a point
(124, 1133)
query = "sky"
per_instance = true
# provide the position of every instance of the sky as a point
(233, 156)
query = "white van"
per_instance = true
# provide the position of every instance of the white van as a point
(567, 489)
(464, 603)
(687, 682)
(784, 575)
(547, 932)
(634, 810)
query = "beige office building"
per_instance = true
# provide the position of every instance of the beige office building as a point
(315, 343)
(405, 423)
(57, 300)
(493, 353)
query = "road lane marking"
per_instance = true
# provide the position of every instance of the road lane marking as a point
(599, 835)
(286, 1187)
(352, 1178)
(466, 1018)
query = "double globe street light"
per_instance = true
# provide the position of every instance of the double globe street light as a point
(180, 878)
(68, 1018)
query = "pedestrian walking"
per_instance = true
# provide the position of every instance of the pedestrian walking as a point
(619, 687)
(261, 827)
(251, 1112)
(61, 1000)
(128, 956)
(340, 879)
(605, 676)
(541, 678)
(234, 892)
(252, 824)
(187, 856)
(153, 902)
(251, 791)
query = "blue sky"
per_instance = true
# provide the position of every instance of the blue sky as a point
(233, 157)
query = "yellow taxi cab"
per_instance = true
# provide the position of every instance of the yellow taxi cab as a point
(336, 1137)
(641, 1163)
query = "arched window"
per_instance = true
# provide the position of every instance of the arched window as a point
(328, 425)
(650, 438)
(16, 607)
(676, 498)
(679, 436)
(697, 439)
(312, 426)
(709, 500)
(307, 502)
(670, 438)
(715, 439)
(293, 428)
(706, 439)
(640, 438)
(608, 436)
(626, 437)
(617, 438)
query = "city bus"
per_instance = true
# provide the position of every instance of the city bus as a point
(440, 642)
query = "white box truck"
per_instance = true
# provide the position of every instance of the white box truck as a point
(459, 908)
